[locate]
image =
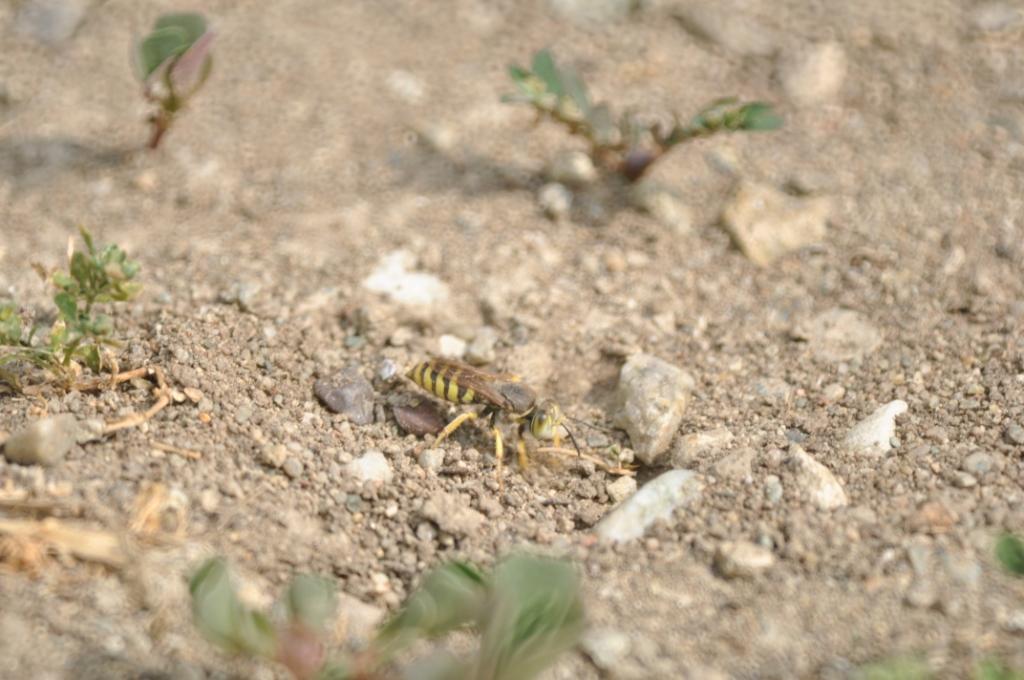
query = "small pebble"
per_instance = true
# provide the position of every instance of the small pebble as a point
(1014, 434)
(482, 349)
(621, 489)
(978, 464)
(293, 467)
(773, 489)
(652, 396)
(349, 393)
(742, 559)
(372, 466)
(44, 442)
(432, 459)
(451, 346)
(273, 455)
(555, 200)
(873, 435)
(419, 419)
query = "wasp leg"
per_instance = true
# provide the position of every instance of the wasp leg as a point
(499, 454)
(454, 425)
(524, 462)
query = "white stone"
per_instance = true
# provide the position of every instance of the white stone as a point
(817, 481)
(696, 444)
(872, 434)
(742, 559)
(555, 200)
(372, 466)
(813, 75)
(451, 346)
(574, 168)
(652, 396)
(392, 278)
(656, 500)
(766, 224)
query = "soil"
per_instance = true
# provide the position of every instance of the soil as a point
(333, 134)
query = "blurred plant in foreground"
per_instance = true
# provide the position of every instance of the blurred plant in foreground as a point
(527, 612)
(173, 62)
(624, 144)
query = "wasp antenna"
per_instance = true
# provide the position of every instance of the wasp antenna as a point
(592, 425)
(573, 440)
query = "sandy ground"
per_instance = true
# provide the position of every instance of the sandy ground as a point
(334, 134)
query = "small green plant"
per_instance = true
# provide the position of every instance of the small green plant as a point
(624, 143)
(173, 62)
(527, 612)
(79, 334)
(1010, 552)
(895, 668)
(992, 669)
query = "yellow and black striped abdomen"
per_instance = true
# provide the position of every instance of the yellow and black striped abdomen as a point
(442, 381)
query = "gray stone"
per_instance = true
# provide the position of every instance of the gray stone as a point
(838, 335)
(766, 224)
(742, 559)
(555, 200)
(372, 466)
(419, 419)
(451, 515)
(691, 447)
(773, 489)
(978, 464)
(773, 390)
(816, 481)
(1014, 434)
(348, 393)
(482, 349)
(621, 489)
(656, 500)
(50, 21)
(874, 434)
(273, 455)
(592, 11)
(663, 204)
(813, 75)
(572, 168)
(652, 396)
(732, 30)
(996, 17)
(44, 442)
(736, 465)
(293, 467)
(432, 459)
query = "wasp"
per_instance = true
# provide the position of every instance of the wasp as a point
(465, 385)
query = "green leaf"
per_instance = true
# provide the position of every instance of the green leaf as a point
(535, 614)
(67, 306)
(193, 67)
(191, 24)
(576, 90)
(544, 68)
(518, 73)
(450, 597)
(157, 47)
(90, 355)
(82, 270)
(993, 669)
(758, 116)
(87, 237)
(10, 324)
(898, 668)
(1010, 552)
(222, 618)
(312, 601)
